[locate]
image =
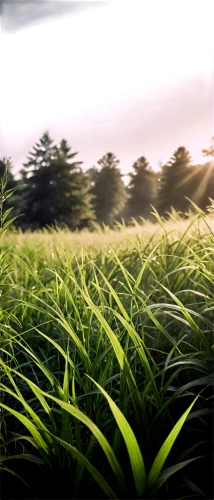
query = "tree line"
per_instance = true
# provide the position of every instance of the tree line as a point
(55, 191)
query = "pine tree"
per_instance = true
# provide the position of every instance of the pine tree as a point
(57, 190)
(92, 174)
(175, 182)
(108, 190)
(202, 185)
(141, 189)
(202, 182)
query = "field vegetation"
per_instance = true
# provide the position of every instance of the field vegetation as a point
(107, 361)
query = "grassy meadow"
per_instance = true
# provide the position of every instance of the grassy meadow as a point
(107, 362)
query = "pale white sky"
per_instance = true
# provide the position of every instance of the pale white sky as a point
(133, 77)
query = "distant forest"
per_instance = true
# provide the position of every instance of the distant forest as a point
(55, 191)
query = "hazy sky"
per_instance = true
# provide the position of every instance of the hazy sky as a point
(132, 77)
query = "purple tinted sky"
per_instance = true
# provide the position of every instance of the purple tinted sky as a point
(132, 77)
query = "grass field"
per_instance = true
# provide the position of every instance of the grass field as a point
(107, 362)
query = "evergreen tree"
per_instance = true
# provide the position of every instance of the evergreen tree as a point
(43, 153)
(92, 174)
(202, 184)
(57, 191)
(203, 180)
(108, 189)
(175, 182)
(141, 189)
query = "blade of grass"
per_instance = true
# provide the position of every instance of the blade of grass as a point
(83, 461)
(165, 449)
(136, 459)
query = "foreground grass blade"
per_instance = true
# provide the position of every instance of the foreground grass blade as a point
(133, 449)
(65, 414)
(82, 460)
(167, 473)
(165, 449)
(70, 409)
(119, 352)
(41, 444)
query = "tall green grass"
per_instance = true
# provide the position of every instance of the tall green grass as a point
(107, 361)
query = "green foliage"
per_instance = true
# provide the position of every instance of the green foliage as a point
(57, 191)
(54, 190)
(174, 185)
(108, 190)
(182, 182)
(142, 190)
(108, 344)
